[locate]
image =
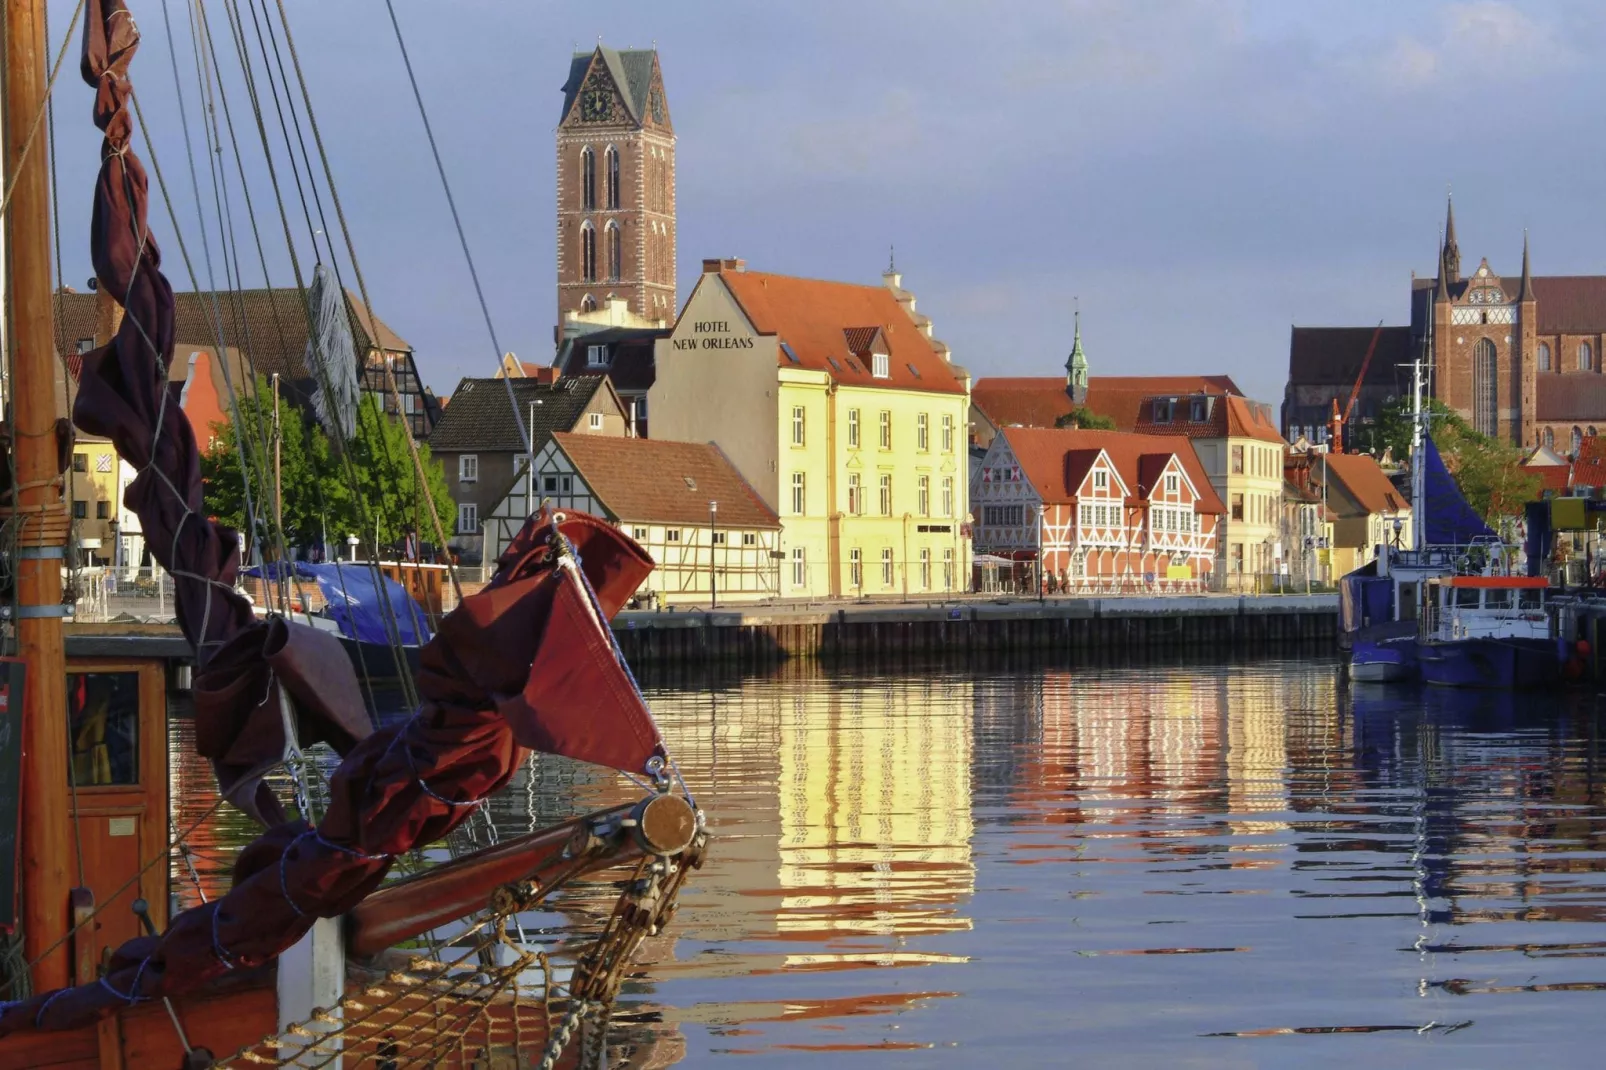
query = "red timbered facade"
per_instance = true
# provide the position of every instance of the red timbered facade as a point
(1107, 511)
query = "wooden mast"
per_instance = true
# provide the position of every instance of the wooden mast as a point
(46, 823)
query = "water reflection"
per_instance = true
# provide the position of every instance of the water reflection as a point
(1222, 866)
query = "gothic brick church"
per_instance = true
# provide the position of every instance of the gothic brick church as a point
(616, 186)
(1518, 356)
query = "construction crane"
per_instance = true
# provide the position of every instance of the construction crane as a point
(1341, 421)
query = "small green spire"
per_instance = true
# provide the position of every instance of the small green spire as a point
(1076, 365)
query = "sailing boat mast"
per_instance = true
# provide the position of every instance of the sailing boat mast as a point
(1419, 430)
(46, 825)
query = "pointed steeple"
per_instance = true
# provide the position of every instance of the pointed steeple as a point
(1441, 288)
(1526, 291)
(1452, 251)
(1076, 366)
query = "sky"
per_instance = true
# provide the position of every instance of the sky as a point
(1196, 175)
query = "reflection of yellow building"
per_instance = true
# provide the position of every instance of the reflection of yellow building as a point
(876, 809)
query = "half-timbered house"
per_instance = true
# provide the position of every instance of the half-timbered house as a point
(1097, 511)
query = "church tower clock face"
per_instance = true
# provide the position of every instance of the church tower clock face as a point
(596, 105)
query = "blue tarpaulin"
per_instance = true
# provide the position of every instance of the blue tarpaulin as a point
(1364, 598)
(355, 603)
(1450, 520)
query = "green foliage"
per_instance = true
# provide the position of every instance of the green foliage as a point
(1487, 469)
(1086, 419)
(320, 498)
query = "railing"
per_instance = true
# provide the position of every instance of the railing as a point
(105, 593)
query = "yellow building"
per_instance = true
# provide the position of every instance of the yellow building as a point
(848, 419)
(96, 482)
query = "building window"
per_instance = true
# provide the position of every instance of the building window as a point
(948, 496)
(886, 429)
(922, 432)
(641, 409)
(1101, 480)
(468, 468)
(588, 179)
(80, 462)
(1237, 557)
(886, 566)
(588, 303)
(468, 518)
(948, 569)
(797, 425)
(947, 433)
(855, 495)
(886, 494)
(853, 429)
(880, 366)
(1238, 510)
(1237, 460)
(1171, 483)
(923, 496)
(856, 569)
(639, 534)
(1484, 393)
(798, 500)
(925, 568)
(1550, 438)
(1578, 441)
(596, 421)
(671, 534)
(611, 163)
(800, 568)
(1197, 410)
(749, 538)
(549, 484)
(588, 252)
(718, 538)
(102, 510)
(615, 252)
(1162, 410)
(1586, 357)
(80, 509)
(1544, 356)
(596, 356)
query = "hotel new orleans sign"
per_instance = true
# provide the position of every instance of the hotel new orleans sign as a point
(714, 334)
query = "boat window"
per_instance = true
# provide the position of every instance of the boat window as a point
(1532, 598)
(1466, 597)
(1408, 598)
(103, 712)
(1498, 599)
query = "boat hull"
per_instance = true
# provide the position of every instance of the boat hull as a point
(1383, 662)
(1498, 663)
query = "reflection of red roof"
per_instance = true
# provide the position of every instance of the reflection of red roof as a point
(1037, 401)
(811, 317)
(1363, 478)
(1056, 461)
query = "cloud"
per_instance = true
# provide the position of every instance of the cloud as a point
(1472, 44)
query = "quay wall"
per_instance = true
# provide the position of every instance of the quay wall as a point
(1154, 626)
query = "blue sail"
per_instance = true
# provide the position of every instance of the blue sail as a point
(357, 605)
(1450, 520)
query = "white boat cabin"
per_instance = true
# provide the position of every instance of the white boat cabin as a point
(1487, 607)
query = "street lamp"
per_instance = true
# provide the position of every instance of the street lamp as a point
(713, 595)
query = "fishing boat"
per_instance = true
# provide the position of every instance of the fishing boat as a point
(1489, 631)
(313, 954)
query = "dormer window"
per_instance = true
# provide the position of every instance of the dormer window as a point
(596, 356)
(1197, 411)
(1162, 410)
(880, 366)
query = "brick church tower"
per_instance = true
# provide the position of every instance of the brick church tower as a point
(616, 186)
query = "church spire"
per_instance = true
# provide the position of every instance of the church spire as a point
(1076, 366)
(1451, 260)
(1526, 291)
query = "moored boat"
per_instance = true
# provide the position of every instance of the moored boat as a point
(1490, 631)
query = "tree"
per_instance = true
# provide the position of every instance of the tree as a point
(1488, 470)
(376, 495)
(1086, 419)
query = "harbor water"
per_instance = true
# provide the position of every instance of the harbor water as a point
(1247, 865)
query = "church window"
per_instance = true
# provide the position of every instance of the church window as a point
(1550, 438)
(1586, 357)
(1544, 356)
(588, 179)
(588, 303)
(615, 252)
(1484, 374)
(1578, 440)
(1589, 432)
(611, 163)
(588, 252)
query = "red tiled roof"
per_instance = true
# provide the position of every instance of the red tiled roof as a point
(1555, 477)
(812, 315)
(1570, 396)
(1226, 417)
(1589, 467)
(1055, 461)
(1037, 401)
(654, 481)
(1363, 478)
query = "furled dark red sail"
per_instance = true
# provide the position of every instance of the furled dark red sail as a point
(502, 673)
